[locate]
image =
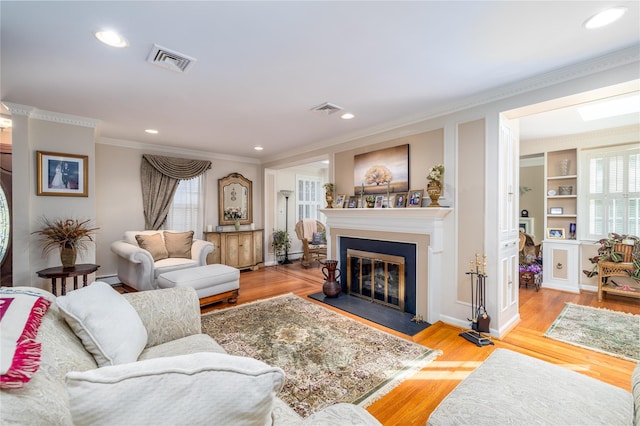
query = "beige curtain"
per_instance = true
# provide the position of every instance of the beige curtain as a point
(159, 177)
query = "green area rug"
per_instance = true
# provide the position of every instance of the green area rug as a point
(610, 332)
(327, 357)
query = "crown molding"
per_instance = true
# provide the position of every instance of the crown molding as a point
(55, 117)
(173, 150)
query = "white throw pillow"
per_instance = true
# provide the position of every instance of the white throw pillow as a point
(199, 388)
(108, 326)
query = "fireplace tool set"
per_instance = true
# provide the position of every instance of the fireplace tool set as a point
(479, 318)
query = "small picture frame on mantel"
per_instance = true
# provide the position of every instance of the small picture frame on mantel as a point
(414, 199)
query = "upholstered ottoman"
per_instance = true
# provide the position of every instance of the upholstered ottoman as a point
(212, 283)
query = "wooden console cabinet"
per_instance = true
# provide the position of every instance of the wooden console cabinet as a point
(240, 249)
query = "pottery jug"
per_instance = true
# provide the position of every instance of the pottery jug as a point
(331, 287)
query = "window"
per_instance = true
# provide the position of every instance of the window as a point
(308, 197)
(612, 182)
(185, 213)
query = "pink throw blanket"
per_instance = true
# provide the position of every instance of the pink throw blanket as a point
(20, 318)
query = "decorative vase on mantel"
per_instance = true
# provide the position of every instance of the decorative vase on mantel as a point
(434, 190)
(68, 256)
(329, 197)
(237, 225)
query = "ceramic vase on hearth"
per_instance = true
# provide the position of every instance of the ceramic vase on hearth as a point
(331, 286)
(434, 190)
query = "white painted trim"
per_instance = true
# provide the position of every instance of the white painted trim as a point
(55, 117)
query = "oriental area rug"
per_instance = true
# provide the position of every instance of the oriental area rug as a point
(327, 357)
(601, 330)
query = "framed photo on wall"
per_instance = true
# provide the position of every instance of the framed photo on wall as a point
(63, 175)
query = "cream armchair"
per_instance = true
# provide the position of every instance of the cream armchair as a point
(136, 265)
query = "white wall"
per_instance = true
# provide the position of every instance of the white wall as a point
(35, 130)
(119, 195)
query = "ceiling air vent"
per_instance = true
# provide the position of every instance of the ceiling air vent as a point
(327, 108)
(170, 59)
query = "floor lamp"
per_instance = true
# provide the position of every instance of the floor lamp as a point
(286, 193)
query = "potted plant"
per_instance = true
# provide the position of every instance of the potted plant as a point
(68, 235)
(528, 273)
(329, 189)
(370, 199)
(281, 243)
(617, 248)
(434, 187)
(235, 214)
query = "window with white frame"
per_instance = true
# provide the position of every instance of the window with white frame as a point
(308, 197)
(185, 213)
(612, 196)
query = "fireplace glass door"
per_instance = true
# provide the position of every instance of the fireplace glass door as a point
(377, 277)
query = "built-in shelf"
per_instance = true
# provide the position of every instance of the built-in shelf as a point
(561, 172)
(562, 177)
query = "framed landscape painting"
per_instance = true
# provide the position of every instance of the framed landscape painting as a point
(62, 174)
(382, 171)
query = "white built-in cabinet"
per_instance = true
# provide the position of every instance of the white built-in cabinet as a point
(508, 223)
(561, 250)
(561, 265)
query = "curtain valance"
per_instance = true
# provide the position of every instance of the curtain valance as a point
(177, 168)
(159, 177)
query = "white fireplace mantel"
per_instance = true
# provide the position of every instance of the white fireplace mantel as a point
(422, 220)
(411, 225)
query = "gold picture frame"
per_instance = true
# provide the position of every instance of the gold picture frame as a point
(62, 175)
(339, 203)
(399, 200)
(414, 198)
(556, 233)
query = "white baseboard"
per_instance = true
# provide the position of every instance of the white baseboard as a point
(109, 279)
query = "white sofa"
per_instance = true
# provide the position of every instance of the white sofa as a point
(171, 380)
(137, 267)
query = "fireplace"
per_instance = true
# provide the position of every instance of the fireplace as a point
(386, 263)
(420, 233)
(376, 277)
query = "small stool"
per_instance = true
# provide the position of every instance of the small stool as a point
(212, 283)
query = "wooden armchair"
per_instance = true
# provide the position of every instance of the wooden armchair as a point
(305, 233)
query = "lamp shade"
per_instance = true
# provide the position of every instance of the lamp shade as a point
(286, 192)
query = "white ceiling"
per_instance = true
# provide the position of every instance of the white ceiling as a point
(261, 66)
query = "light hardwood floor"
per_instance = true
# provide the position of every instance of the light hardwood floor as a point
(414, 399)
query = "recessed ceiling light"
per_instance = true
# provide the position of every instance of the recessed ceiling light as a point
(258, 148)
(612, 108)
(347, 116)
(152, 131)
(112, 38)
(604, 18)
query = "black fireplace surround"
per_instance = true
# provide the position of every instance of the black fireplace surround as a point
(406, 250)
